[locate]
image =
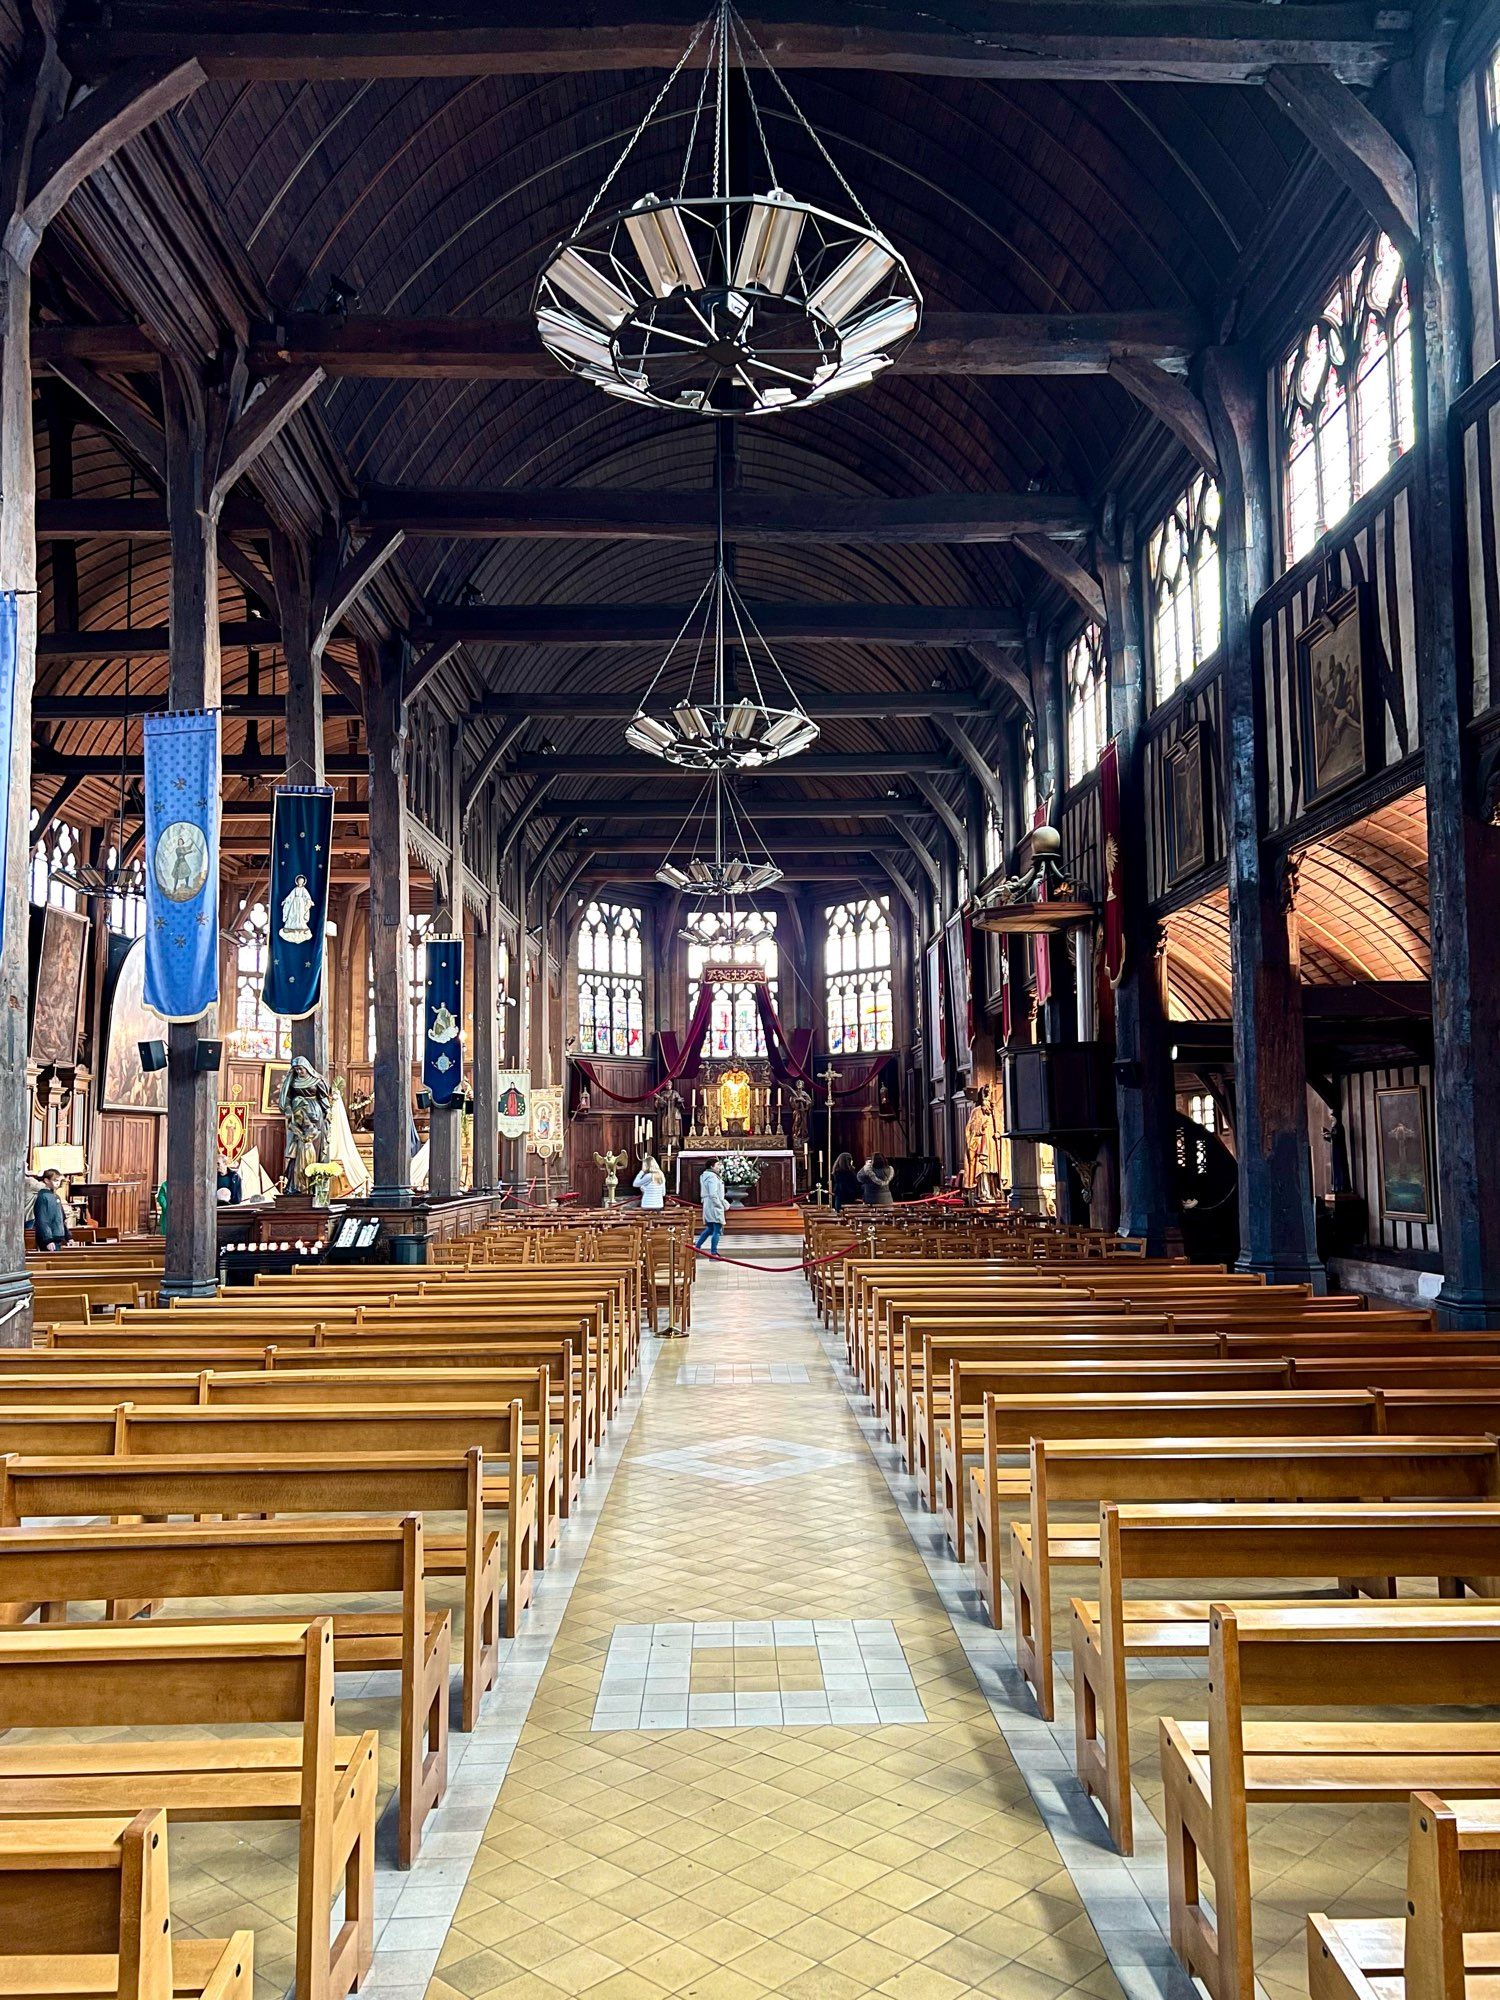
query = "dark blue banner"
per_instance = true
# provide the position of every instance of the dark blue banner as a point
(301, 842)
(182, 863)
(443, 1045)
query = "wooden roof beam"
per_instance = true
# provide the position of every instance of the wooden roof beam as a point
(593, 514)
(509, 350)
(658, 625)
(1364, 155)
(1226, 41)
(1064, 568)
(1171, 402)
(353, 576)
(859, 764)
(135, 520)
(633, 812)
(804, 843)
(869, 705)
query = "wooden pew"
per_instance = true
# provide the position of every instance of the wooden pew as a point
(1009, 1422)
(40, 1489)
(59, 1566)
(1324, 1657)
(349, 1430)
(85, 1914)
(1447, 1947)
(136, 1676)
(1288, 1468)
(1447, 1541)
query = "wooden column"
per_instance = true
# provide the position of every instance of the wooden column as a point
(445, 1121)
(517, 1017)
(18, 573)
(1143, 1053)
(390, 904)
(486, 1060)
(1463, 865)
(1045, 676)
(291, 572)
(1278, 1233)
(193, 421)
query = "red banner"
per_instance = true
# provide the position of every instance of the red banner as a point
(1114, 878)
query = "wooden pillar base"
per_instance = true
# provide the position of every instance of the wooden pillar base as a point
(445, 1149)
(15, 1309)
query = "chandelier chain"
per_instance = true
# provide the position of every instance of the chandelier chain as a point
(801, 117)
(634, 139)
(765, 144)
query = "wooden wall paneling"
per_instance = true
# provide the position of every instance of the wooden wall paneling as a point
(1477, 422)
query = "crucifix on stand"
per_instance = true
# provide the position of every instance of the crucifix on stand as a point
(826, 1077)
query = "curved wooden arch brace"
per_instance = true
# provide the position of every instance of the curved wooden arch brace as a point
(1367, 159)
(1064, 568)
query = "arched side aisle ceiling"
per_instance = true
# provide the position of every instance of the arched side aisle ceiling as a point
(1361, 902)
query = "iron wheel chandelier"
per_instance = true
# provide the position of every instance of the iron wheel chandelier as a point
(723, 727)
(737, 868)
(726, 302)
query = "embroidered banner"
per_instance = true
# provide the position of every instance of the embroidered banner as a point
(443, 1045)
(546, 1136)
(182, 863)
(514, 1105)
(1114, 873)
(19, 800)
(301, 844)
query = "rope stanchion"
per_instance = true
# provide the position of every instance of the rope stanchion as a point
(744, 1264)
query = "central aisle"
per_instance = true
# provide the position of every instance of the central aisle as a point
(758, 1761)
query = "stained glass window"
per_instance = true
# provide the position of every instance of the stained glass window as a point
(734, 1022)
(258, 1035)
(1028, 777)
(1182, 571)
(1084, 690)
(611, 988)
(1346, 396)
(857, 967)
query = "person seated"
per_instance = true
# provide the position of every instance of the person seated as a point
(845, 1191)
(229, 1187)
(652, 1183)
(51, 1214)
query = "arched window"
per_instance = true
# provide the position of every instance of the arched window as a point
(125, 906)
(57, 856)
(734, 1021)
(1028, 777)
(611, 981)
(994, 842)
(1203, 1111)
(1182, 570)
(1083, 686)
(258, 1035)
(1346, 396)
(857, 964)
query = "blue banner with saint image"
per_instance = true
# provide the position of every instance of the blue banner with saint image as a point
(182, 862)
(301, 843)
(443, 1046)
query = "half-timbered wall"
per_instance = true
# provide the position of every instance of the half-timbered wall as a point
(1477, 427)
(1370, 548)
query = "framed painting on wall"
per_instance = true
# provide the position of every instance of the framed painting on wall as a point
(1182, 779)
(1404, 1154)
(57, 1003)
(1334, 699)
(270, 1085)
(128, 1087)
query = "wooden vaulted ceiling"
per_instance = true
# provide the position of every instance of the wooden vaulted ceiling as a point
(439, 197)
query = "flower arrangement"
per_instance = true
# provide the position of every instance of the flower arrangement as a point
(741, 1172)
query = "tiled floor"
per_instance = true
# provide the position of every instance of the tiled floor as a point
(742, 1375)
(727, 1859)
(739, 1673)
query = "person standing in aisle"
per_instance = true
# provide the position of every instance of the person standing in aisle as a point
(711, 1193)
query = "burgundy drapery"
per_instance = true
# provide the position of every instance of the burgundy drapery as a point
(789, 1055)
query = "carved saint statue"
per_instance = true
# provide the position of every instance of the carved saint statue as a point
(611, 1163)
(306, 1103)
(982, 1145)
(296, 913)
(669, 1108)
(800, 1098)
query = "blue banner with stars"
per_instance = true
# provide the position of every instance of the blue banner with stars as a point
(301, 841)
(443, 1043)
(182, 863)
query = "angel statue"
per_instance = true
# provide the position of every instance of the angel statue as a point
(306, 1103)
(611, 1163)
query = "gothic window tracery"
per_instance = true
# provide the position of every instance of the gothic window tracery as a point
(734, 1027)
(611, 981)
(857, 966)
(1084, 692)
(1183, 578)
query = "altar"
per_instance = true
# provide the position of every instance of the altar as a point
(777, 1164)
